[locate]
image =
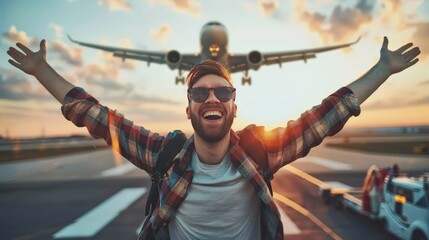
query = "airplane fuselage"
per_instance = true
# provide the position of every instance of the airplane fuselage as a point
(214, 42)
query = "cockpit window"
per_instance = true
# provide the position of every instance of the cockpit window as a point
(213, 24)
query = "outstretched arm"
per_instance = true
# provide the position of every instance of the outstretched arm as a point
(139, 145)
(34, 63)
(390, 62)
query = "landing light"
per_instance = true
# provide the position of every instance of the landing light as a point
(400, 199)
(214, 49)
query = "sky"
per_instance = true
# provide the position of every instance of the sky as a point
(148, 94)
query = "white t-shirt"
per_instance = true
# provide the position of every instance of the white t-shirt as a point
(220, 204)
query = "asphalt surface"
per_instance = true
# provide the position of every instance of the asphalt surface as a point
(66, 197)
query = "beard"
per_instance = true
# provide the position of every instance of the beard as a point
(209, 134)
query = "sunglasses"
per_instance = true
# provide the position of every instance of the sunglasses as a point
(200, 94)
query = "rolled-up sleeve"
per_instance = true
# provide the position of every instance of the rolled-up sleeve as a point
(137, 144)
(285, 145)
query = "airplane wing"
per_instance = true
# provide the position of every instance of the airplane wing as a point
(182, 61)
(253, 60)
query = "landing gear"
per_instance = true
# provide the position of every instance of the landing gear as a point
(180, 78)
(246, 79)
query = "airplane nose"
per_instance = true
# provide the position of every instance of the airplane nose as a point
(214, 34)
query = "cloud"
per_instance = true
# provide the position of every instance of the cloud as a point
(160, 115)
(383, 104)
(112, 61)
(424, 83)
(153, 114)
(58, 29)
(116, 62)
(116, 5)
(341, 25)
(161, 33)
(151, 99)
(420, 101)
(102, 76)
(189, 7)
(132, 99)
(404, 20)
(269, 7)
(394, 18)
(14, 86)
(420, 38)
(14, 36)
(71, 56)
(397, 103)
(346, 22)
(365, 6)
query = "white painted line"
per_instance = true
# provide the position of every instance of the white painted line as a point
(289, 227)
(92, 222)
(118, 170)
(139, 228)
(327, 163)
(337, 185)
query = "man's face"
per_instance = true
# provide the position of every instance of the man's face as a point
(211, 119)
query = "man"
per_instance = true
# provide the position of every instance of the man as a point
(214, 190)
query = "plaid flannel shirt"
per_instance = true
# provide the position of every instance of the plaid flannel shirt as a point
(142, 147)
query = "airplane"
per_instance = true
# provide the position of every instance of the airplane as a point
(214, 46)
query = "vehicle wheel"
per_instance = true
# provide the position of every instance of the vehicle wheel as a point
(338, 202)
(386, 224)
(418, 235)
(326, 196)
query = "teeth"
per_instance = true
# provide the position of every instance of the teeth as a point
(212, 113)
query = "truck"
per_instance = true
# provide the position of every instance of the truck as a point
(403, 205)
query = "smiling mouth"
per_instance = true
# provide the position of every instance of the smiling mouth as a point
(212, 115)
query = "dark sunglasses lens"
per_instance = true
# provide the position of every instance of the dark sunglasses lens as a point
(224, 94)
(199, 95)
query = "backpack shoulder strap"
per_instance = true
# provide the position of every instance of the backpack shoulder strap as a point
(250, 141)
(175, 143)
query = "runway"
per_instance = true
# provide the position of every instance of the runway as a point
(67, 197)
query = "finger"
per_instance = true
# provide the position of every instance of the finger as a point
(15, 64)
(410, 55)
(403, 48)
(385, 43)
(412, 62)
(24, 48)
(15, 54)
(43, 45)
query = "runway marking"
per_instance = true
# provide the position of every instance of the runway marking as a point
(338, 185)
(306, 213)
(118, 170)
(324, 162)
(139, 228)
(305, 176)
(93, 221)
(289, 227)
(299, 208)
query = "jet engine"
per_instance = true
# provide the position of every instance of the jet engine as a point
(255, 59)
(173, 59)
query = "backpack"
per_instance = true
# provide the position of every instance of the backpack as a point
(253, 147)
